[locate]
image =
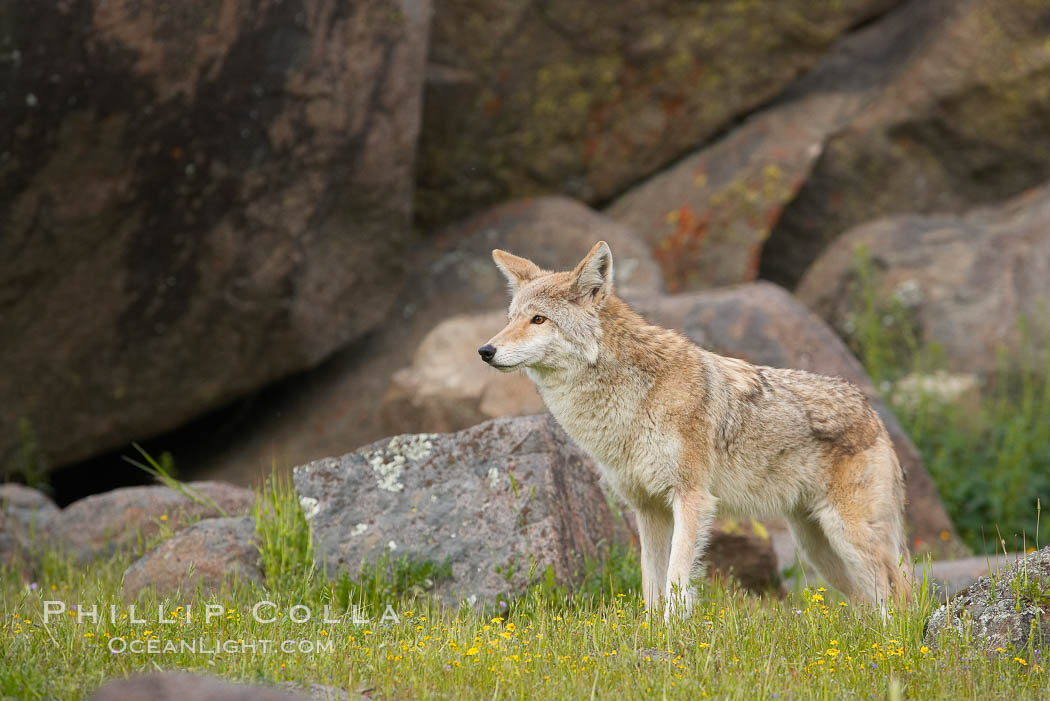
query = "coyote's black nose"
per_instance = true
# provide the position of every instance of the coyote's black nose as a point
(487, 353)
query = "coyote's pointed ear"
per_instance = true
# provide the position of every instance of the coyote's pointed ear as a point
(518, 271)
(593, 277)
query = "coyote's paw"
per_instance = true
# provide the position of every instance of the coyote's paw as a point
(678, 607)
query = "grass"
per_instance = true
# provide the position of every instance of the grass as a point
(382, 634)
(989, 456)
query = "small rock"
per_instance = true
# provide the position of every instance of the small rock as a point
(1006, 609)
(653, 654)
(744, 552)
(14, 550)
(180, 686)
(116, 520)
(24, 511)
(319, 692)
(29, 507)
(206, 555)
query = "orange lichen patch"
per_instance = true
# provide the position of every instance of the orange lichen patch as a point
(493, 105)
(673, 106)
(684, 242)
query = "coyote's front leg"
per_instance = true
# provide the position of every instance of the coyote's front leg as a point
(693, 511)
(654, 531)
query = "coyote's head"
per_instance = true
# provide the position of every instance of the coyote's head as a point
(553, 317)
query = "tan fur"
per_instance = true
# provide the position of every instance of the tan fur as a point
(680, 433)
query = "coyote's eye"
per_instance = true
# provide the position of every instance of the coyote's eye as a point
(539, 319)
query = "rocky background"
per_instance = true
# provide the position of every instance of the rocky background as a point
(256, 233)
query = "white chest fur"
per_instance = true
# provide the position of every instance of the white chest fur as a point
(610, 423)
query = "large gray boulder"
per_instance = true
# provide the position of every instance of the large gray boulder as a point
(195, 203)
(586, 97)
(963, 280)
(499, 502)
(962, 120)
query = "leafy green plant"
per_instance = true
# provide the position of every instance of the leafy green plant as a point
(285, 536)
(387, 579)
(30, 466)
(991, 462)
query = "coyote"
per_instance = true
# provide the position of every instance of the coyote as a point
(679, 431)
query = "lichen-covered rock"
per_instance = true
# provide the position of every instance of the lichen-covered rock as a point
(963, 121)
(764, 324)
(498, 502)
(197, 200)
(1007, 611)
(587, 97)
(208, 555)
(447, 388)
(708, 216)
(964, 281)
(123, 519)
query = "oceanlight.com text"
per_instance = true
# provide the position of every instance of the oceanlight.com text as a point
(211, 646)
